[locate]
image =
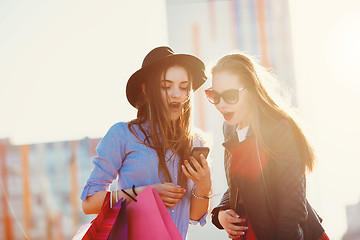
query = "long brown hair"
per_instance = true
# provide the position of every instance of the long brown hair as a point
(161, 133)
(266, 111)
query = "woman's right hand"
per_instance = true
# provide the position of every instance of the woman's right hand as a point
(228, 220)
(170, 193)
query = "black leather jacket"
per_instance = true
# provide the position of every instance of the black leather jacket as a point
(275, 201)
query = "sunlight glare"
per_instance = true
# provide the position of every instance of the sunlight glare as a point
(344, 49)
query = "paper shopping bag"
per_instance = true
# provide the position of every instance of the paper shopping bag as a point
(119, 229)
(167, 219)
(100, 227)
(148, 218)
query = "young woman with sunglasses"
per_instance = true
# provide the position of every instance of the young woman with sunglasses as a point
(154, 149)
(266, 158)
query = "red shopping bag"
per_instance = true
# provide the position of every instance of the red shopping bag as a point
(148, 218)
(100, 227)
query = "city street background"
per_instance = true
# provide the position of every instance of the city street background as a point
(63, 70)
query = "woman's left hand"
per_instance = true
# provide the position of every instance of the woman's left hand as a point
(200, 175)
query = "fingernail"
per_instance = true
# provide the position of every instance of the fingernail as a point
(237, 216)
(242, 233)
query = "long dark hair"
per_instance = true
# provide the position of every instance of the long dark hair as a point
(162, 134)
(265, 109)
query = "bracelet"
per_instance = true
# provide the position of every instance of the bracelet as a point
(128, 195)
(195, 196)
(133, 189)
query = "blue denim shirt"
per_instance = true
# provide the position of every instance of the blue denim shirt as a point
(120, 154)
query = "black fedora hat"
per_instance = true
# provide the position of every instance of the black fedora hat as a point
(155, 59)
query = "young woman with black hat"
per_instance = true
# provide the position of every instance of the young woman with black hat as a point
(154, 149)
(266, 158)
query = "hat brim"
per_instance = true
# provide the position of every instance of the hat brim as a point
(195, 65)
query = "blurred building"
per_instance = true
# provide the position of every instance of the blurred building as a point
(40, 188)
(353, 222)
(212, 28)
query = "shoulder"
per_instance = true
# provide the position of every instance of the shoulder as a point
(119, 127)
(283, 139)
(283, 128)
(119, 130)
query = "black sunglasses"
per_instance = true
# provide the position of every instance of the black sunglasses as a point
(230, 96)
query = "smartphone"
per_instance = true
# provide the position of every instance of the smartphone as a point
(196, 151)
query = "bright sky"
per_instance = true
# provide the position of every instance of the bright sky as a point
(64, 66)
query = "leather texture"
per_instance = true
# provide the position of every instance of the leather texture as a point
(271, 191)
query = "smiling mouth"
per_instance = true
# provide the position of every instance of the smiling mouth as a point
(228, 115)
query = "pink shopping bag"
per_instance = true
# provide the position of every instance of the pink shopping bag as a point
(100, 227)
(119, 229)
(148, 218)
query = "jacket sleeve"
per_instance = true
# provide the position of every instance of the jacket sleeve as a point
(224, 205)
(291, 191)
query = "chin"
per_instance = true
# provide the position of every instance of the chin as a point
(234, 121)
(231, 123)
(174, 118)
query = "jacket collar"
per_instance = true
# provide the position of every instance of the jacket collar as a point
(231, 142)
(231, 137)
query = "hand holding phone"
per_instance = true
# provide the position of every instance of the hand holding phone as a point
(196, 151)
(200, 176)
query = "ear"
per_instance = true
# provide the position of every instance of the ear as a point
(143, 88)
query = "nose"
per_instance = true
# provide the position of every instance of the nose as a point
(175, 92)
(221, 104)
